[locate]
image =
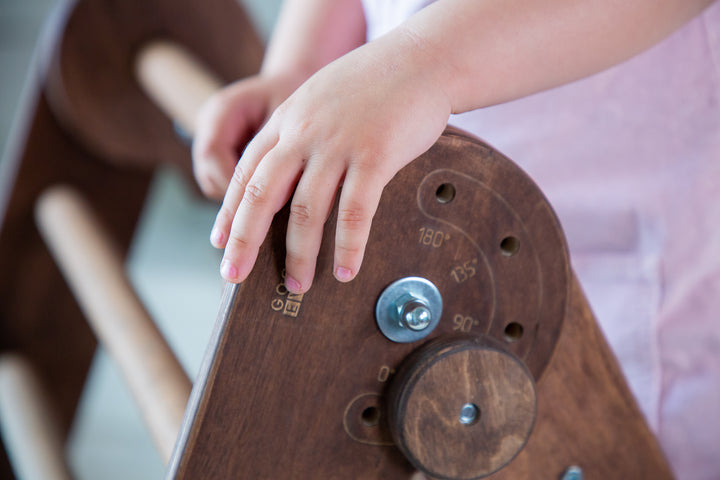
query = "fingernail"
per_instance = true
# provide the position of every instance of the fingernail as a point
(216, 238)
(228, 270)
(343, 274)
(292, 284)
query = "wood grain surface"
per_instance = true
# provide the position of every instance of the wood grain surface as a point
(291, 381)
(296, 386)
(461, 407)
(92, 83)
(587, 415)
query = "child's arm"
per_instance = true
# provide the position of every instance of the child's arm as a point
(361, 118)
(488, 52)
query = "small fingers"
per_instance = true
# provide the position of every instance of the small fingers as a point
(224, 124)
(213, 148)
(212, 172)
(309, 210)
(359, 199)
(267, 190)
(235, 190)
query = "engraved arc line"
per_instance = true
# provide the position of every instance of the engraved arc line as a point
(464, 234)
(499, 197)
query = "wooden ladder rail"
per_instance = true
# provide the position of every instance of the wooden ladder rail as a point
(94, 269)
(98, 282)
(95, 273)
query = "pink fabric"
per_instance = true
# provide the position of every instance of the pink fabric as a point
(630, 159)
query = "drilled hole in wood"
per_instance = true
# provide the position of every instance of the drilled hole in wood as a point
(370, 416)
(513, 332)
(445, 193)
(509, 246)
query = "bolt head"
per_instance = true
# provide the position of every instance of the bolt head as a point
(469, 414)
(408, 309)
(416, 316)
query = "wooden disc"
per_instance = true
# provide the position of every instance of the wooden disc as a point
(91, 82)
(462, 407)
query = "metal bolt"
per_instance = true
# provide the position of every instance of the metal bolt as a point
(408, 309)
(469, 414)
(573, 472)
(415, 315)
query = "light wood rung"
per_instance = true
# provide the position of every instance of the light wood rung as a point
(29, 427)
(176, 81)
(95, 273)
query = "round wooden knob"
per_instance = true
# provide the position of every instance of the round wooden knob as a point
(461, 407)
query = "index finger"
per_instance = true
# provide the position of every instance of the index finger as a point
(243, 172)
(269, 188)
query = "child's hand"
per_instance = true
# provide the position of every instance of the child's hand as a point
(355, 123)
(228, 121)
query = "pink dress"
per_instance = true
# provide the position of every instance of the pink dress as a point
(630, 159)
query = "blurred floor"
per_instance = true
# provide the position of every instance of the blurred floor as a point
(171, 264)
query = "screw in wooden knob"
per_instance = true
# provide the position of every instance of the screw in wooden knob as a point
(461, 407)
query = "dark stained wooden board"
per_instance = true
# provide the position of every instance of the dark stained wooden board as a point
(287, 380)
(587, 415)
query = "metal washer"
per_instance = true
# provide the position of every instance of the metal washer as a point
(394, 296)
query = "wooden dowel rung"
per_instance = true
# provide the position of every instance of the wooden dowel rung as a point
(29, 426)
(176, 80)
(96, 275)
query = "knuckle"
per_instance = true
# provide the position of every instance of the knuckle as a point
(352, 218)
(239, 176)
(224, 217)
(348, 251)
(255, 195)
(297, 259)
(301, 215)
(238, 241)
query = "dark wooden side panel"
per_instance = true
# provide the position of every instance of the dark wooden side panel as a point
(289, 378)
(38, 315)
(587, 415)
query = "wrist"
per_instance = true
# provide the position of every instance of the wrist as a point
(424, 66)
(289, 78)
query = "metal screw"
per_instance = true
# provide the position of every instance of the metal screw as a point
(469, 414)
(408, 309)
(415, 315)
(573, 472)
